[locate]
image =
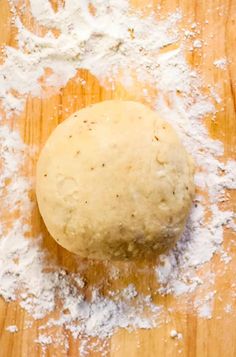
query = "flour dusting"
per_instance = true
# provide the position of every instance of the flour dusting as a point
(221, 63)
(12, 328)
(113, 41)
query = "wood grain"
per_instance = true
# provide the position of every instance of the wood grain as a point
(201, 338)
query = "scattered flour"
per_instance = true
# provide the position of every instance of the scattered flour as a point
(175, 334)
(197, 44)
(228, 308)
(12, 328)
(115, 41)
(130, 292)
(204, 306)
(221, 63)
(44, 340)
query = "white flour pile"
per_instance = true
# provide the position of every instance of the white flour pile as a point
(114, 40)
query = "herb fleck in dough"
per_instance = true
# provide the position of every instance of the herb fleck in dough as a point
(115, 182)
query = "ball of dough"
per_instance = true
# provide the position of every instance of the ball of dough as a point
(115, 182)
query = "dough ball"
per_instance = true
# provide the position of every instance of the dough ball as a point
(115, 182)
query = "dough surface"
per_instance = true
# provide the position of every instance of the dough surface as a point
(115, 182)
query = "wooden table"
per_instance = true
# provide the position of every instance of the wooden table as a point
(201, 338)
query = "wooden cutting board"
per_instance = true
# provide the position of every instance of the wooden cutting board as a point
(201, 338)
